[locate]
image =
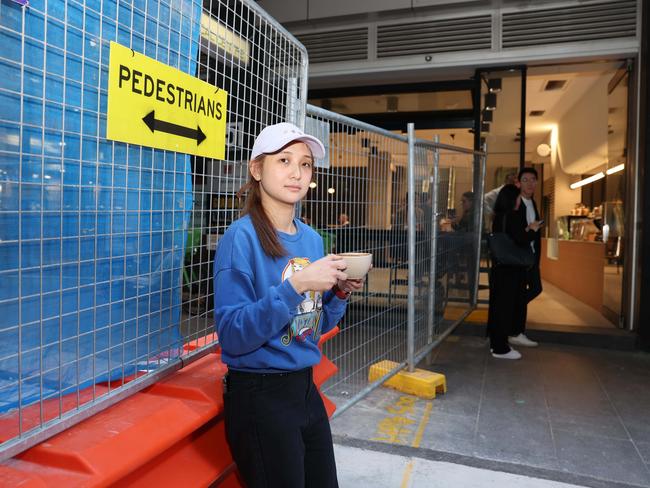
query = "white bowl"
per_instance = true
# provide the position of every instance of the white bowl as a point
(358, 264)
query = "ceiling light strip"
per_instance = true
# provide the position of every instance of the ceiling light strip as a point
(615, 169)
(586, 181)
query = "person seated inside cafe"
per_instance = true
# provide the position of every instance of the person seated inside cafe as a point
(400, 217)
(341, 221)
(466, 222)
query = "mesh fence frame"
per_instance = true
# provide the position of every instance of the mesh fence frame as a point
(356, 181)
(452, 238)
(366, 178)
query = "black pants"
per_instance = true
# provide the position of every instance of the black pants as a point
(533, 287)
(507, 309)
(278, 430)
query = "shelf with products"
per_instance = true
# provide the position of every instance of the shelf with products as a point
(578, 228)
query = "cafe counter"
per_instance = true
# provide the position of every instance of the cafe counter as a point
(576, 267)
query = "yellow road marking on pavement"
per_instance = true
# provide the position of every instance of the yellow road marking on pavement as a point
(396, 428)
(406, 478)
(423, 424)
(407, 475)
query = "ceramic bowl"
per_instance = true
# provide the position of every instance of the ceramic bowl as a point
(358, 264)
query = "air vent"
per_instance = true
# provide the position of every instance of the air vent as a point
(537, 113)
(434, 36)
(590, 22)
(341, 45)
(552, 85)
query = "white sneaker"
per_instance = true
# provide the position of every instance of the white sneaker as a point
(511, 354)
(522, 340)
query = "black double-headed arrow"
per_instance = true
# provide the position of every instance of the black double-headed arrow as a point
(178, 130)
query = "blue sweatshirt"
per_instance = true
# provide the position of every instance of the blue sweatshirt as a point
(263, 324)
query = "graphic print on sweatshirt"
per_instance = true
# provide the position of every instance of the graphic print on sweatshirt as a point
(306, 322)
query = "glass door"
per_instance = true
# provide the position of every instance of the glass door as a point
(613, 209)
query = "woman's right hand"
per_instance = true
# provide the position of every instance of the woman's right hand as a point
(320, 275)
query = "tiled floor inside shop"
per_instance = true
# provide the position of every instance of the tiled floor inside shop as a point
(565, 413)
(555, 306)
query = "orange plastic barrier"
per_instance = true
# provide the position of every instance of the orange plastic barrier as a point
(31, 416)
(324, 370)
(169, 434)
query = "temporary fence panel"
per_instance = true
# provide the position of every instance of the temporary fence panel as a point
(455, 236)
(93, 230)
(356, 200)
(263, 70)
(359, 202)
(106, 247)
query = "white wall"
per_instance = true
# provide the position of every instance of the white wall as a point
(582, 132)
(565, 198)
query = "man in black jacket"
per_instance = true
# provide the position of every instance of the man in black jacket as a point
(528, 213)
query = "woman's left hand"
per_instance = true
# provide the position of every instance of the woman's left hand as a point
(348, 286)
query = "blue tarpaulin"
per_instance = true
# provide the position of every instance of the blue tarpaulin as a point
(92, 232)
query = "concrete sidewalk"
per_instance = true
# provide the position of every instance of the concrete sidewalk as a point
(573, 415)
(367, 468)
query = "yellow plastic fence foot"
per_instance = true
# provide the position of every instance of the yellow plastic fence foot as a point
(421, 383)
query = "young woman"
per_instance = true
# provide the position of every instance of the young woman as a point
(507, 309)
(275, 294)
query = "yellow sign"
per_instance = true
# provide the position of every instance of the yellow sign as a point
(152, 104)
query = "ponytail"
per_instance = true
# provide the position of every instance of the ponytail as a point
(263, 227)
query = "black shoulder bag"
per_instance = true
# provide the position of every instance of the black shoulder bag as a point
(506, 252)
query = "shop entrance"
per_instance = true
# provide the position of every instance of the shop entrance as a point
(570, 122)
(575, 121)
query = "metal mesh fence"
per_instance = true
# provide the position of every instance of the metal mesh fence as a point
(360, 202)
(106, 247)
(358, 195)
(446, 267)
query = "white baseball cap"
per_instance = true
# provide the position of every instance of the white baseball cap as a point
(275, 137)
